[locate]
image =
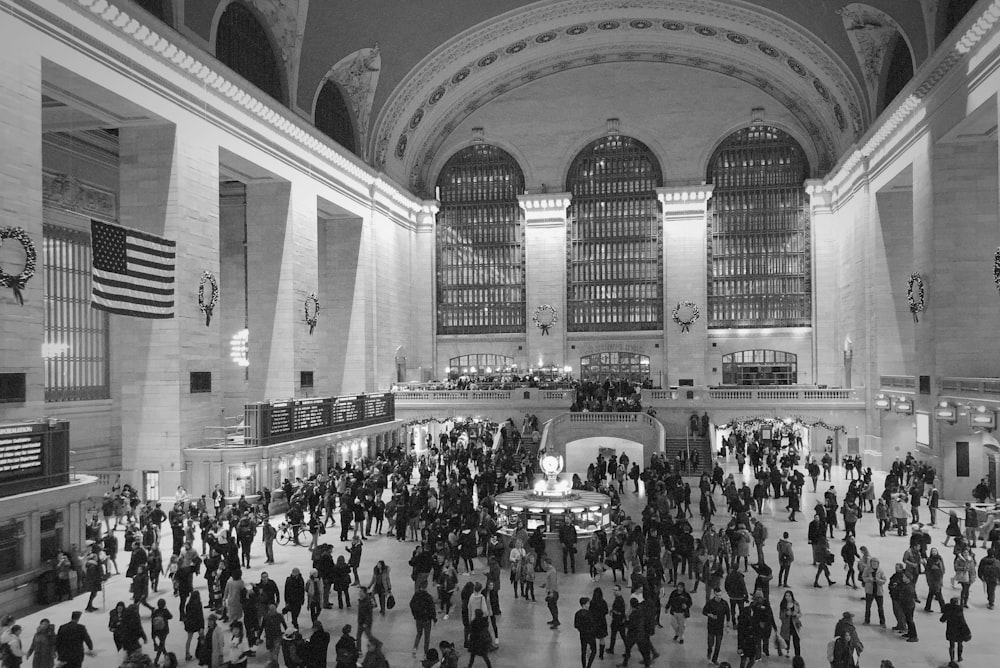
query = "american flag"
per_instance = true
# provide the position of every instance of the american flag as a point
(133, 272)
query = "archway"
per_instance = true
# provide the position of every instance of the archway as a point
(583, 452)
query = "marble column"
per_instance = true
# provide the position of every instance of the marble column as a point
(684, 280)
(545, 280)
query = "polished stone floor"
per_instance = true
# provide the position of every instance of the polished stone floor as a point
(526, 640)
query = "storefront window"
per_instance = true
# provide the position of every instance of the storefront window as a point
(242, 479)
(50, 535)
(11, 548)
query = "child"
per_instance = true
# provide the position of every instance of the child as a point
(172, 571)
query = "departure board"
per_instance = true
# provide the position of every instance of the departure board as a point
(33, 455)
(20, 454)
(282, 421)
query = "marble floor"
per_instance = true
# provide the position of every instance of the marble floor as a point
(526, 640)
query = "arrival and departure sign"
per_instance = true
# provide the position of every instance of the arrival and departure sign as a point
(282, 421)
(33, 455)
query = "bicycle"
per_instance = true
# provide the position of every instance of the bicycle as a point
(286, 534)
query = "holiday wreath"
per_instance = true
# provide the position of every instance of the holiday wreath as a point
(692, 314)
(996, 268)
(17, 283)
(208, 306)
(312, 319)
(915, 294)
(544, 317)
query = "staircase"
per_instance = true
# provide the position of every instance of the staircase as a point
(674, 445)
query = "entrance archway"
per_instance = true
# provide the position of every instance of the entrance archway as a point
(583, 452)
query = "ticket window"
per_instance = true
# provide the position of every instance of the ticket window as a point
(243, 479)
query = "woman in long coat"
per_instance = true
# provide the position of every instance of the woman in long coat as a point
(956, 630)
(43, 646)
(233, 597)
(599, 614)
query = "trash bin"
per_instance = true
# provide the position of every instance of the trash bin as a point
(47, 587)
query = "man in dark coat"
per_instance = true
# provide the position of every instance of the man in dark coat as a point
(717, 611)
(295, 595)
(316, 649)
(70, 641)
(584, 623)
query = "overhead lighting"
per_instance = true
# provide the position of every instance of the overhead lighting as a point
(883, 402)
(945, 412)
(904, 406)
(983, 418)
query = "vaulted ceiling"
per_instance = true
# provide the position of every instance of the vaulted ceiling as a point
(415, 70)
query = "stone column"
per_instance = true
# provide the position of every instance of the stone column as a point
(423, 301)
(545, 275)
(343, 280)
(22, 327)
(828, 345)
(685, 280)
(926, 248)
(169, 186)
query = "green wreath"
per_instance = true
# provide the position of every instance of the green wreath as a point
(915, 294)
(312, 318)
(996, 268)
(544, 317)
(17, 283)
(686, 323)
(209, 306)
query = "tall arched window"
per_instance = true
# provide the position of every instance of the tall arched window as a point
(480, 236)
(333, 118)
(957, 9)
(758, 232)
(161, 9)
(615, 241)
(243, 45)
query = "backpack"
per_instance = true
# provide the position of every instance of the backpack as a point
(6, 655)
(159, 624)
(829, 650)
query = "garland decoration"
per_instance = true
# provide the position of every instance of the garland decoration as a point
(209, 306)
(692, 317)
(311, 320)
(915, 294)
(996, 268)
(544, 317)
(17, 283)
(753, 423)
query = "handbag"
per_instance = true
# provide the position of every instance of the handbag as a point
(390, 602)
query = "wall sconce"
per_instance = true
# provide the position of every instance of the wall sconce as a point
(282, 465)
(983, 419)
(296, 462)
(945, 412)
(904, 406)
(883, 402)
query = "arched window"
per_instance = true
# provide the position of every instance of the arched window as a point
(161, 9)
(957, 9)
(480, 236)
(615, 241)
(760, 367)
(613, 366)
(483, 364)
(333, 118)
(758, 232)
(243, 45)
(898, 72)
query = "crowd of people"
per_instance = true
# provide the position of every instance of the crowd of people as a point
(443, 503)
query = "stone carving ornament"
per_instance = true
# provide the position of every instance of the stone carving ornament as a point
(69, 193)
(358, 74)
(871, 32)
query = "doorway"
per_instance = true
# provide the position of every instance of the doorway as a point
(151, 485)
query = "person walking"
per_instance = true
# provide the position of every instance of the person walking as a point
(480, 640)
(43, 646)
(874, 581)
(599, 614)
(717, 612)
(424, 615)
(679, 605)
(194, 622)
(567, 539)
(366, 615)
(618, 619)
(849, 553)
(747, 642)
(295, 596)
(341, 573)
(274, 625)
(786, 556)
(159, 624)
(934, 574)
(71, 639)
(965, 572)
(583, 622)
(790, 614)
(314, 595)
(957, 631)
(989, 573)
(551, 586)
(381, 584)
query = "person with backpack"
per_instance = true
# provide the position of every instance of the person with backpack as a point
(159, 623)
(424, 615)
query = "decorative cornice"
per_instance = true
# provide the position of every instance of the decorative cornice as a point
(280, 119)
(489, 54)
(684, 200)
(924, 82)
(71, 194)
